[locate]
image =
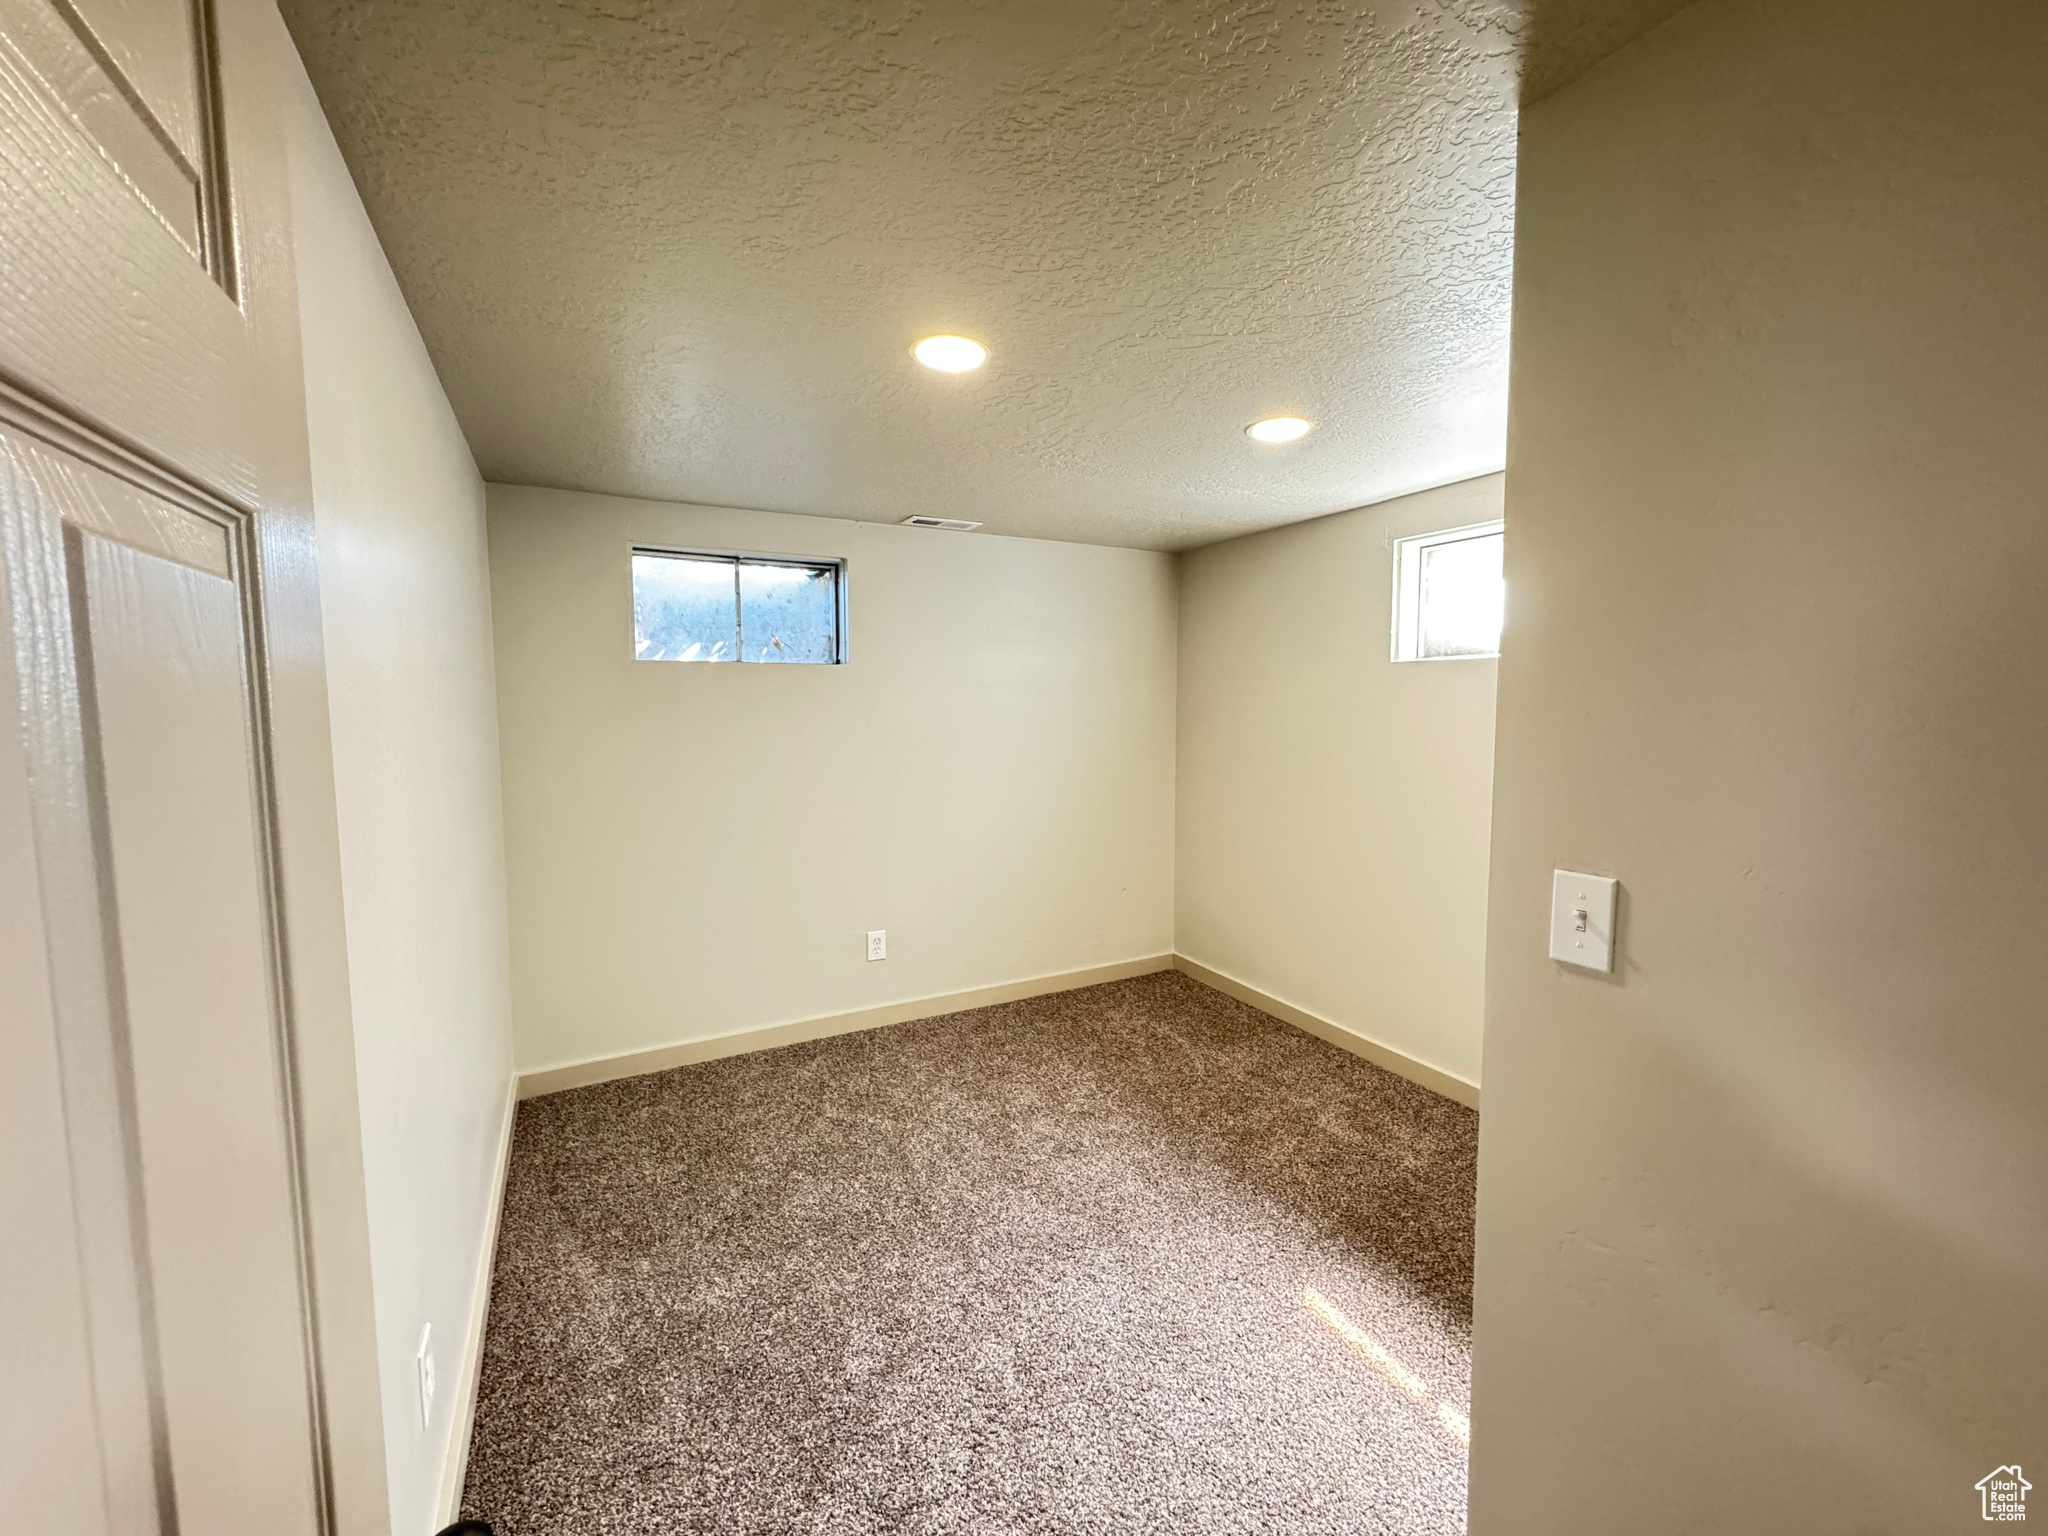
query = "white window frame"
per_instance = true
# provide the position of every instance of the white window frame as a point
(1407, 619)
(836, 563)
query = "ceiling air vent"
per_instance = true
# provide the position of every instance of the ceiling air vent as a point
(958, 525)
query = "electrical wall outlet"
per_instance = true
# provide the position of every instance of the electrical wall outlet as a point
(878, 943)
(425, 1361)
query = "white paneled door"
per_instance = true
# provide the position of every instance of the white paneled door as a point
(156, 1369)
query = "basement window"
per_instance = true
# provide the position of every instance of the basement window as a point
(698, 606)
(1449, 595)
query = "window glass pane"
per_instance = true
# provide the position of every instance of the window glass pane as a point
(789, 612)
(1462, 597)
(684, 609)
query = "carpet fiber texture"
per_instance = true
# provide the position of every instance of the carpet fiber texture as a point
(1132, 1258)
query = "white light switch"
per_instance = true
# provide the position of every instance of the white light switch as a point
(1582, 919)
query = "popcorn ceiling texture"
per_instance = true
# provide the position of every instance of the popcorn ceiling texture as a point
(1133, 1258)
(680, 250)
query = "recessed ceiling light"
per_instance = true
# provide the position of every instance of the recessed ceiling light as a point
(950, 354)
(1277, 429)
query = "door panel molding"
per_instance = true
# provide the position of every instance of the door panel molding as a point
(120, 282)
(162, 650)
(54, 47)
(141, 46)
(154, 397)
(47, 421)
(127, 509)
(53, 506)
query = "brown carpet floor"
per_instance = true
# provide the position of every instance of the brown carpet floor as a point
(1134, 1258)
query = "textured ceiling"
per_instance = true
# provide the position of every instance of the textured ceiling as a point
(680, 250)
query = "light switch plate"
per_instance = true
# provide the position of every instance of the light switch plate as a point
(1582, 919)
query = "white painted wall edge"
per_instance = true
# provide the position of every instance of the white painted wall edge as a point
(766, 1037)
(605, 1069)
(455, 1469)
(1435, 1079)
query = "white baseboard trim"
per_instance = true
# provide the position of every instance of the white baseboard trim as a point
(455, 1466)
(766, 1037)
(1380, 1054)
(605, 1069)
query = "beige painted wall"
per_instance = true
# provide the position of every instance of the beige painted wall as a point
(697, 849)
(406, 609)
(1761, 1234)
(1333, 806)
